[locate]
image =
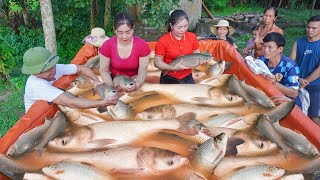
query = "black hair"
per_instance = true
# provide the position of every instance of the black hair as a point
(254, 28)
(275, 10)
(314, 18)
(275, 37)
(175, 17)
(121, 19)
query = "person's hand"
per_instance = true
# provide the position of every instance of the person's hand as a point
(96, 83)
(110, 101)
(303, 83)
(245, 51)
(272, 79)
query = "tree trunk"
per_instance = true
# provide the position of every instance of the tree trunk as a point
(313, 5)
(48, 25)
(25, 11)
(94, 13)
(107, 11)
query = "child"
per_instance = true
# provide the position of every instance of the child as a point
(247, 50)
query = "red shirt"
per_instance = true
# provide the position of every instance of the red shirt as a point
(127, 66)
(171, 48)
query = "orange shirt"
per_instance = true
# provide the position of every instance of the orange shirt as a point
(171, 48)
(262, 33)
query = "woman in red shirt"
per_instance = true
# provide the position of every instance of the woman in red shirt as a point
(178, 41)
(124, 53)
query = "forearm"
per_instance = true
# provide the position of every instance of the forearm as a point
(158, 63)
(84, 70)
(71, 101)
(106, 77)
(314, 75)
(105, 70)
(290, 92)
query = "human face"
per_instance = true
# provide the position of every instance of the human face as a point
(48, 75)
(124, 34)
(313, 30)
(254, 34)
(180, 28)
(269, 17)
(272, 51)
(222, 31)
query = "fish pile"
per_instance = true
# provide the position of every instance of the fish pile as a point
(219, 128)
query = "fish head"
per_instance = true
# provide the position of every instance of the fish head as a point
(71, 140)
(160, 160)
(12, 151)
(225, 98)
(198, 75)
(314, 152)
(110, 92)
(166, 111)
(216, 69)
(82, 82)
(255, 145)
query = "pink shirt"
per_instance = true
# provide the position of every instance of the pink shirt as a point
(126, 66)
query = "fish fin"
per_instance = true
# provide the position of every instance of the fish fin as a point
(116, 171)
(100, 142)
(228, 65)
(39, 152)
(202, 100)
(232, 144)
(145, 160)
(102, 109)
(187, 121)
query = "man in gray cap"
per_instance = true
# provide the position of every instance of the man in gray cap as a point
(43, 69)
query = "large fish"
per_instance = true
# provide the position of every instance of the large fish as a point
(126, 160)
(236, 88)
(217, 82)
(267, 130)
(28, 139)
(258, 96)
(58, 125)
(113, 134)
(121, 111)
(261, 172)
(191, 60)
(174, 110)
(36, 176)
(123, 81)
(209, 155)
(75, 170)
(194, 94)
(296, 141)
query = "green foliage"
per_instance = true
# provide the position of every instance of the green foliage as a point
(7, 62)
(216, 5)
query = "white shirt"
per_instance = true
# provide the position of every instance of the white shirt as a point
(41, 89)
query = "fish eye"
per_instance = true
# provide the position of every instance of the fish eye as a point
(231, 98)
(64, 142)
(170, 162)
(149, 116)
(261, 145)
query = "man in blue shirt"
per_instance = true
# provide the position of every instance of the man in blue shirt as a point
(306, 52)
(286, 72)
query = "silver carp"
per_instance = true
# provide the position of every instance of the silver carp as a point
(261, 172)
(281, 111)
(28, 139)
(10, 168)
(215, 70)
(75, 170)
(113, 134)
(194, 94)
(121, 111)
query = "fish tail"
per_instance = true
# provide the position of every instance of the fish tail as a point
(186, 122)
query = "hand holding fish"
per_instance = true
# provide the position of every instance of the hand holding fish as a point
(96, 83)
(303, 83)
(272, 79)
(180, 66)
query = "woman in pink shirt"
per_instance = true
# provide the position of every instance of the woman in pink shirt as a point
(124, 53)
